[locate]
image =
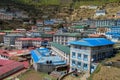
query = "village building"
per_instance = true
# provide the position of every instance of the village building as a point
(61, 50)
(21, 43)
(86, 52)
(9, 39)
(2, 34)
(64, 38)
(43, 60)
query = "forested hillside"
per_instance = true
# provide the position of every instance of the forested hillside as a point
(62, 2)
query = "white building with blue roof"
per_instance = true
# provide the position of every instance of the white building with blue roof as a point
(86, 52)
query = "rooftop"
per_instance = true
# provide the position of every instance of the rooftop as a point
(28, 39)
(96, 35)
(46, 35)
(13, 52)
(42, 55)
(61, 47)
(6, 30)
(69, 34)
(14, 34)
(78, 27)
(9, 65)
(100, 11)
(92, 42)
(2, 33)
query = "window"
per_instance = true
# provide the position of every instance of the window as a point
(76, 46)
(79, 56)
(85, 57)
(79, 64)
(73, 63)
(73, 69)
(85, 66)
(80, 47)
(73, 55)
(92, 67)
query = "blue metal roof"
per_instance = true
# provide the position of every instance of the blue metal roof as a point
(111, 33)
(92, 42)
(100, 11)
(114, 26)
(44, 51)
(35, 56)
(42, 55)
(48, 22)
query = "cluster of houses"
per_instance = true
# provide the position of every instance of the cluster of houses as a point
(78, 47)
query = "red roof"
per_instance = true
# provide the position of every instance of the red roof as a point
(2, 33)
(26, 64)
(30, 39)
(51, 32)
(4, 52)
(10, 66)
(48, 39)
(5, 62)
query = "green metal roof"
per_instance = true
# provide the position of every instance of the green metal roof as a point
(14, 35)
(61, 47)
(78, 27)
(46, 35)
(6, 30)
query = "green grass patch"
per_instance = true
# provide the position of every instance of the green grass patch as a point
(33, 75)
(57, 2)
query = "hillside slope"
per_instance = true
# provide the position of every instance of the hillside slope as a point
(108, 72)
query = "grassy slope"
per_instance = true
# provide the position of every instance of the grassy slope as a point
(107, 73)
(33, 75)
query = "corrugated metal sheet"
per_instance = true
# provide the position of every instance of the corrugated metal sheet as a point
(9, 67)
(92, 42)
